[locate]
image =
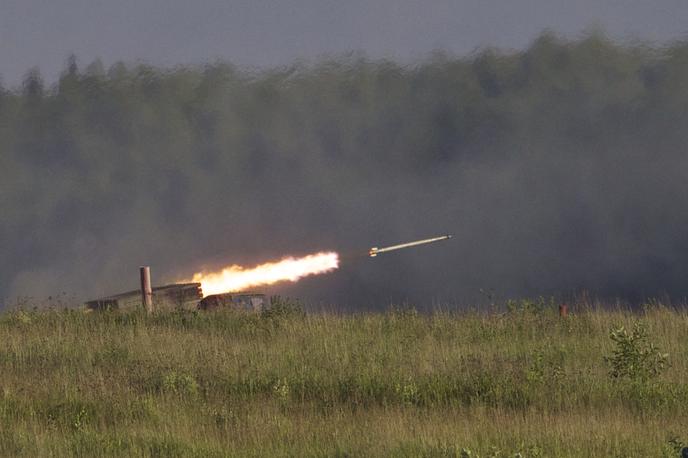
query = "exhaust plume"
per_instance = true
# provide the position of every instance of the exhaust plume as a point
(237, 278)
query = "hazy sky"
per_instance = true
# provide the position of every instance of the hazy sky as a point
(271, 32)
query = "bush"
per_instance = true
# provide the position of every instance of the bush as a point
(635, 357)
(179, 383)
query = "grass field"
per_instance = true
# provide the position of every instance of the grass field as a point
(400, 383)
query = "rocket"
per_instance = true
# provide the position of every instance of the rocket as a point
(375, 250)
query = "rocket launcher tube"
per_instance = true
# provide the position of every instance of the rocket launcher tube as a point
(375, 250)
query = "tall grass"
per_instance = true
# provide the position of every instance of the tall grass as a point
(397, 383)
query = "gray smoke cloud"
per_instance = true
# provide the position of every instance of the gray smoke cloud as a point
(557, 169)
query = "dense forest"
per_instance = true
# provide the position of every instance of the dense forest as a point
(559, 168)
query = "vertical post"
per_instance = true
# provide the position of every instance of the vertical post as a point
(146, 289)
(563, 310)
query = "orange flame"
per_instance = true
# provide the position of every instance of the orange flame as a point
(237, 278)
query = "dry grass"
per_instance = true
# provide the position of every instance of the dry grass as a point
(399, 383)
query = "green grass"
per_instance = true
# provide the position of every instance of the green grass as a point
(390, 384)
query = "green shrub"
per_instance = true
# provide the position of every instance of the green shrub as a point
(183, 384)
(635, 357)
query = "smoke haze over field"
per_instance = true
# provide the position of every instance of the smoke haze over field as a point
(558, 168)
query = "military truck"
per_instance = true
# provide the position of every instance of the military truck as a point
(246, 301)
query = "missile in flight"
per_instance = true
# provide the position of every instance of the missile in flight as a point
(375, 250)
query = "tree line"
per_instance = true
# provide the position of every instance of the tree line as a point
(560, 167)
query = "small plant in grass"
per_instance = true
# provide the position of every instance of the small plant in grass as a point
(543, 370)
(407, 391)
(530, 306)
(676, 443)
(675, 447)
(635, 357)
(281, 390)
(21, 316)
(529, 451)
(177, 383)
(79, 419)
(466, 453)
(224, 417)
